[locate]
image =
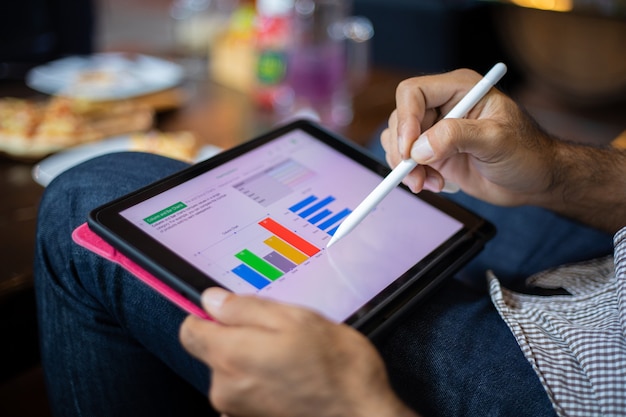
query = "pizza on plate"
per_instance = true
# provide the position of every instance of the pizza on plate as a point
(33, 129)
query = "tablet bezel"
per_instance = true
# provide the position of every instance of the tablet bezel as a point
(186, 279)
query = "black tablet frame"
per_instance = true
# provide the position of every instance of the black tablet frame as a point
(405, 291)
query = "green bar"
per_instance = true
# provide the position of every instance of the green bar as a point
(160, 215)
(259, 264)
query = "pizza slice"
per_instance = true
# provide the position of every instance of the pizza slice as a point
(30, 129)
(18, 121)
(68, 122)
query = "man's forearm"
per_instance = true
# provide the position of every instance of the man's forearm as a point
(589, 185)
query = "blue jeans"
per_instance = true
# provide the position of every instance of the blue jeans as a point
(110, 344)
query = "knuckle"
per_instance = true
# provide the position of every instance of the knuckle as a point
(188, 335)
(403, 85)
(226, 392)
(447, 129)
(406, 86)
(220, 399)
(467, 74)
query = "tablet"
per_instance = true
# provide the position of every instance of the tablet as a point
(256, 220)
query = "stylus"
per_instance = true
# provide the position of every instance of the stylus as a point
(394, 178)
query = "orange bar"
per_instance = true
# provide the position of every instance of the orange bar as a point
(289, 237)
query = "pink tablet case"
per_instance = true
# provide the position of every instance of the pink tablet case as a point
(86, 238)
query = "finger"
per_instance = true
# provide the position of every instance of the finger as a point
(424, 178)
(196, 336)
(225, 348)
(434, 181)
(237, 310)
(410, 109)
(389, 141)
(421, 177)
(390, 146)
(421, 100)
(388, 138)
(415, 179)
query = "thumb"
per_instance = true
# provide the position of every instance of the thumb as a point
(450, 137)
(243, 310)
(422, 151)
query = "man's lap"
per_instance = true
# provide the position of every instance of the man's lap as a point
(453, 354)
(104, 335)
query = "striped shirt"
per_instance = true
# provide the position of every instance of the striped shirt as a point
(575, 343)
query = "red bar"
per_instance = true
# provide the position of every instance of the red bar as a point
(289, 237)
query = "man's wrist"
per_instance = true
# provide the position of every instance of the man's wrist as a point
(588, 185)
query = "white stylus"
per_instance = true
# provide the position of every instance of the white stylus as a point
(394, 178)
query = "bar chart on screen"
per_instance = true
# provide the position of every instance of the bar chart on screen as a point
(264, 262)
(288, 238)
(298, 222)
(317, 212)
(269, 258)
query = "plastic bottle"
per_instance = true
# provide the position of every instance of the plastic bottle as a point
(273, 29)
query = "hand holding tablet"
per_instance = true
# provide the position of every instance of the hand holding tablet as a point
(256, 220)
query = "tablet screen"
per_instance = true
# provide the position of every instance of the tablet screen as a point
(260, 223)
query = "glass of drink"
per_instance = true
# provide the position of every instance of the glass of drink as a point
(327, 56)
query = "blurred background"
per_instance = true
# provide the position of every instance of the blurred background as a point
(245, 66)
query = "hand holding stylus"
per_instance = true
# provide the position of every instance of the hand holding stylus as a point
(405, 167)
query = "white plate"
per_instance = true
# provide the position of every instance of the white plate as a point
(105, 76)
(46, 170)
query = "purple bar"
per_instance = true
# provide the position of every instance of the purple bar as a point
(279, 261)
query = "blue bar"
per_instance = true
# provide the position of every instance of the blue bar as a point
(318, 217)
(303, 203)
(333, 230)
(317, 206)
(343, 213)
(251, 276)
